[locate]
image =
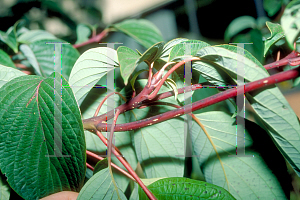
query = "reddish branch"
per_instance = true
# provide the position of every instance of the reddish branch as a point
(143, 97)
(121, 158)
(283, 76)
(94, 39)
(97, 157)
(291, 59)
(159, 82)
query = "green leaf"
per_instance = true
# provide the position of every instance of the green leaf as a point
(83, 32)
(9, 38)
(152, 53)
(278, 117)
(31, 58)
(247, 54)
(157, 147)
(100, 187)
(178, 77)
(8, 73)
(237, 25)
(143, 31)
(6, 60)
(148, 181)
(185, 188)
(207, 92)
(229, 60)
(123, 140)
(290, 22)
(173, 85)
(35, 35)
(90, 67)
(31, 158)
(128, 60)
(41, 57)
(256, 47)
(20, 31)
(132, 81)
(102, 164)
(4, 188)
(135, 193)
(186, 49)
(169, 46)
(276, 34)
(276, 114)
(272, 6)
(243, 177)
(209, 70)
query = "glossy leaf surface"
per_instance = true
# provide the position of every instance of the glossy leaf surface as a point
(184, 188)
(34, 160)
(143, 31)
(100, 187)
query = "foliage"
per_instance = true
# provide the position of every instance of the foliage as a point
(47, 133)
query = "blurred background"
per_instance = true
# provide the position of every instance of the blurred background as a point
(206, 20)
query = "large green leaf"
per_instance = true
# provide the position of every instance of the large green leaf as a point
(269, 104)
(90, 67)
(158, 148)
(41, 56)
(100, 187)
(8, 73)
(209, 71)
(35, 35)
(143, 31)
(6, 60)
(276, 34)
(122, 139)
(129, 59)
(244, 177)
(9, 38)
(247, 54)
(169, 46)
(186, 49)
(237, 25)
(185, 188)
(229, 60)
(290, 22)
(30, 152)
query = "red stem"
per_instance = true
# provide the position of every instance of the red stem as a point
(105, 98)
(126, 165)
(285, 61)
(283, 76)
(90, 124)
(94, 39)
(161, 82)
(135, 176)
(90, 166)
(112, 164)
